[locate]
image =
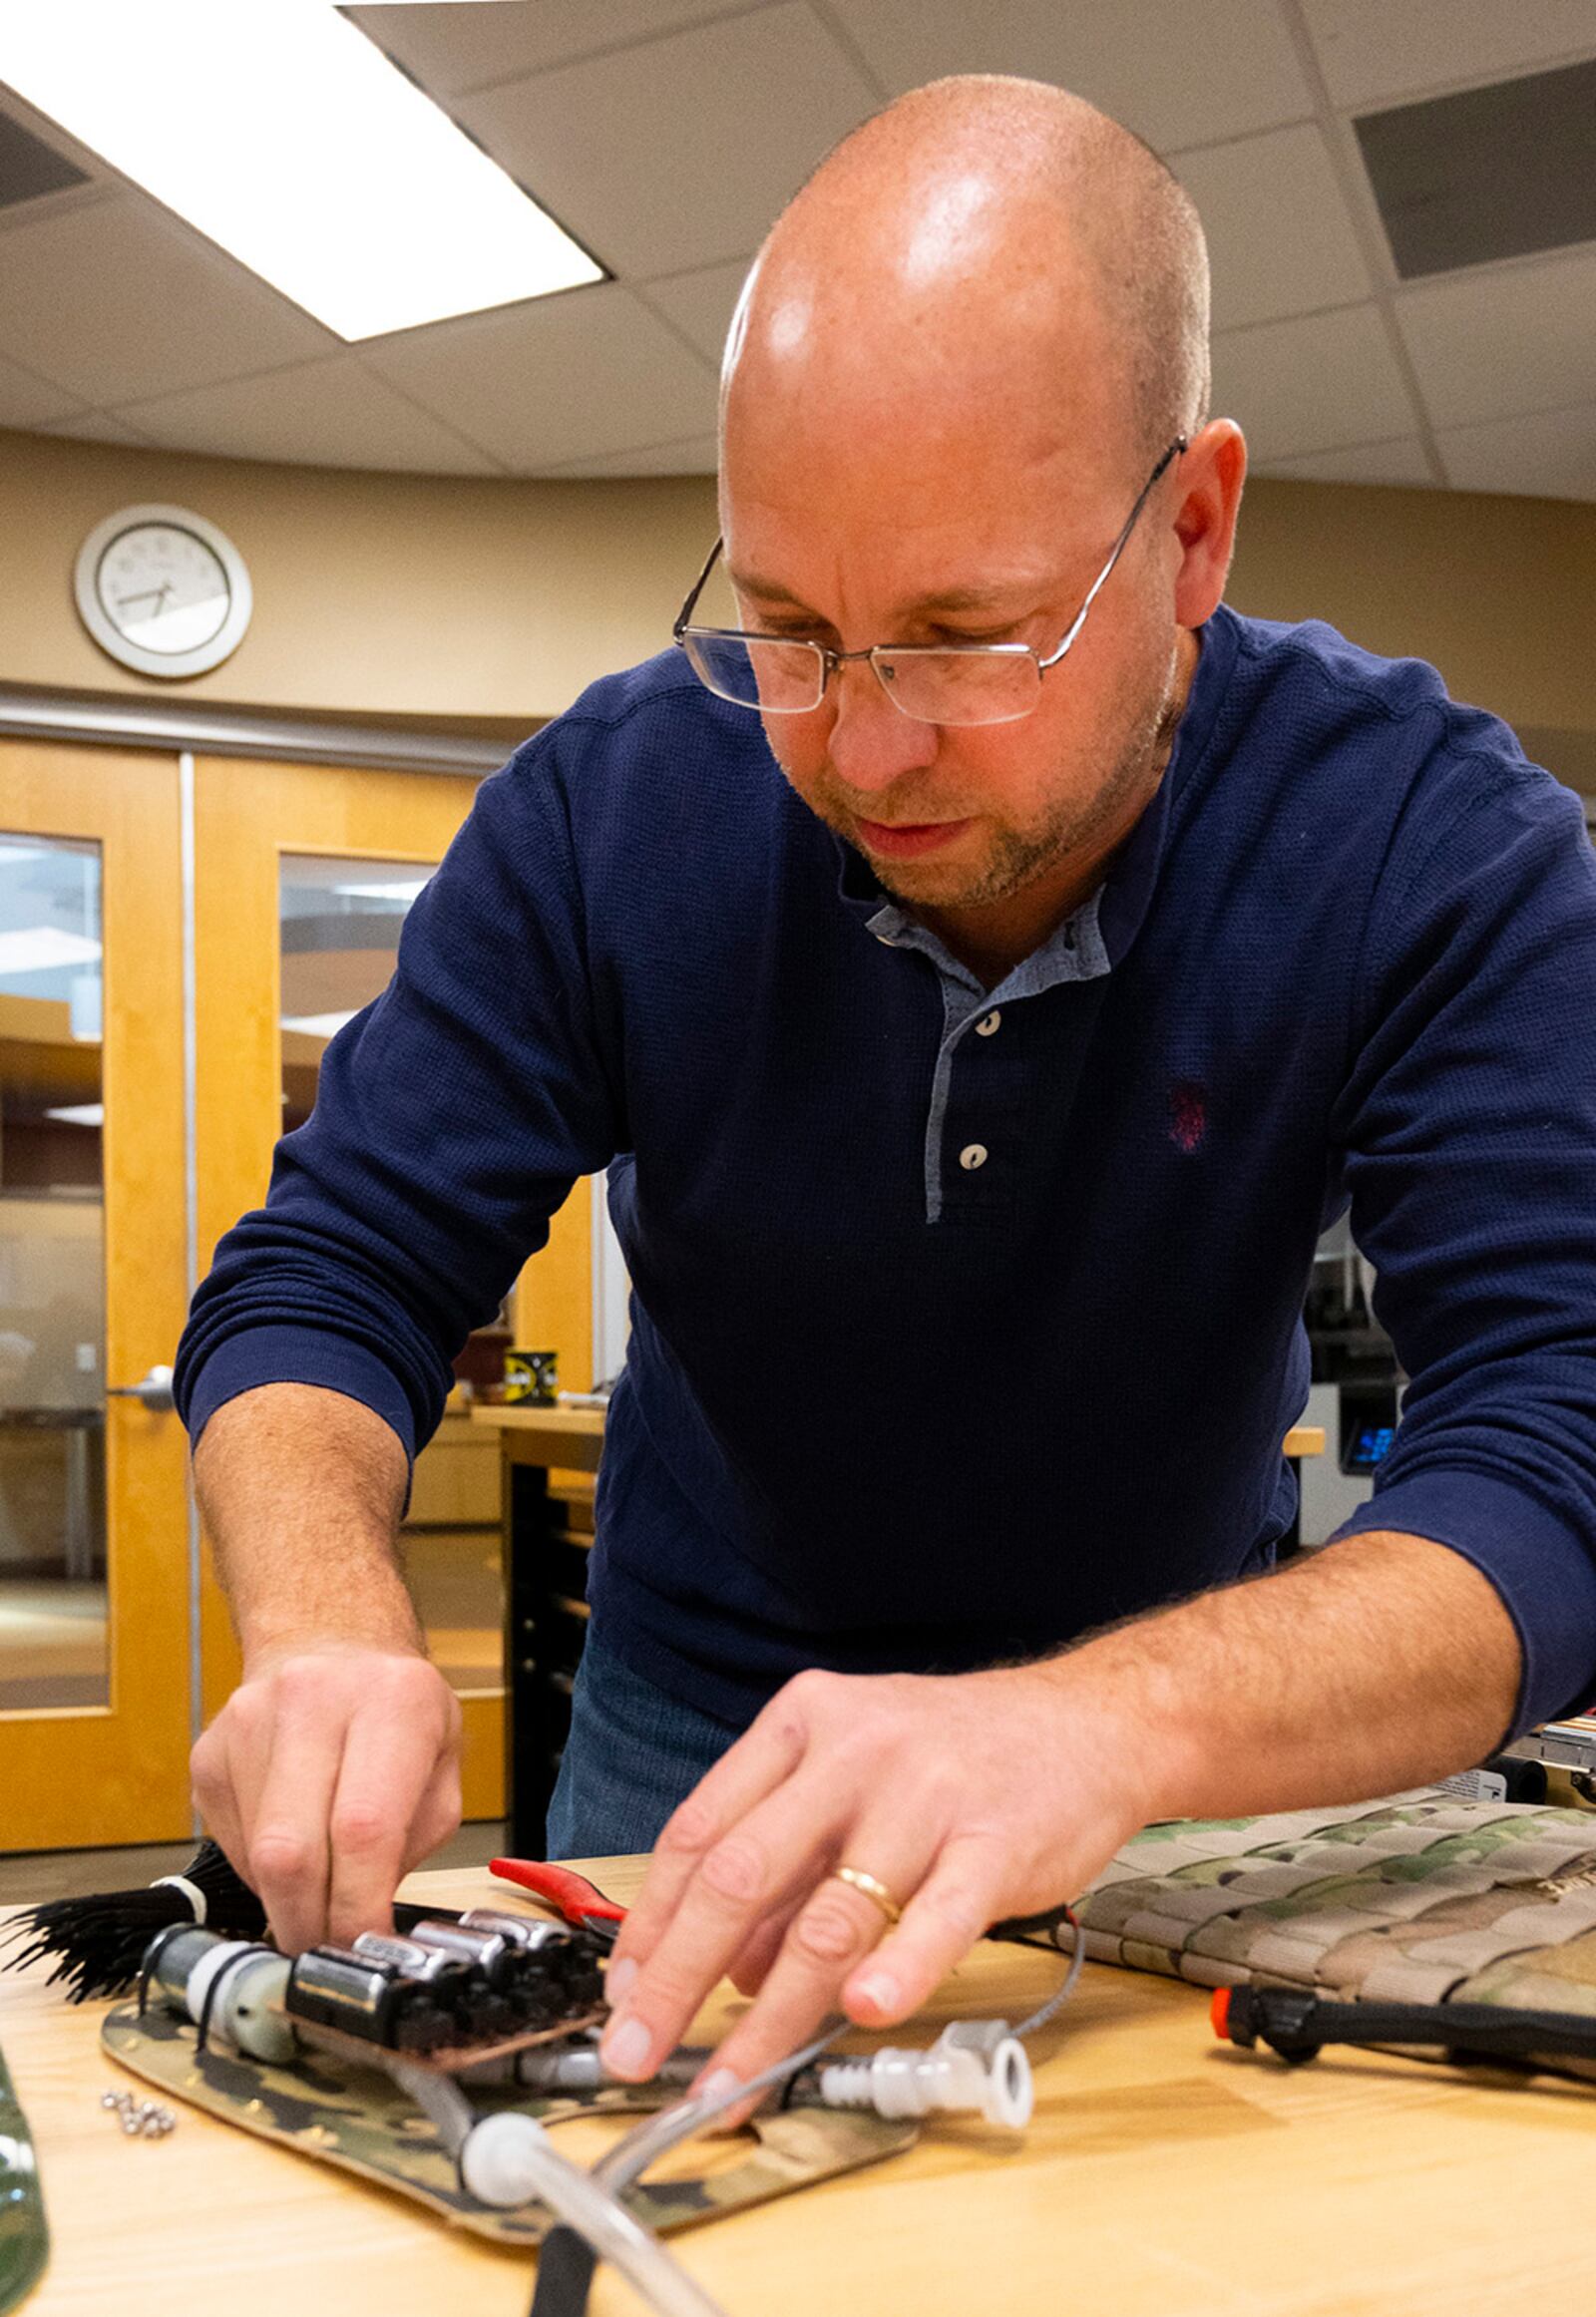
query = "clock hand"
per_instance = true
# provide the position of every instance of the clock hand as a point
(143, 594)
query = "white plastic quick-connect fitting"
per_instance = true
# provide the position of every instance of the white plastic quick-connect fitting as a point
(952, 2076)
(498, 2159)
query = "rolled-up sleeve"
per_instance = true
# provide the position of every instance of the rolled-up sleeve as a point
(1467, 1130)
(452, 1118)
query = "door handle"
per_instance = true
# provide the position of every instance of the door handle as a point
(153, 1391)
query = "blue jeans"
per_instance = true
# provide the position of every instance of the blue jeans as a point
(633, 1753)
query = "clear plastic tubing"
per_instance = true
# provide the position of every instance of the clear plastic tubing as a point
(507, 2160)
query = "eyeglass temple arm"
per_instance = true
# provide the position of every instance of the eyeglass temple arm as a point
(694, 591)
(1176, 448)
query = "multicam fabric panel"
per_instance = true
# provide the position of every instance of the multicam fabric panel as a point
(1424, 1899)
(357, 2117)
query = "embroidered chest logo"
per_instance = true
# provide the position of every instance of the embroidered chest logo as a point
(1188, 1115)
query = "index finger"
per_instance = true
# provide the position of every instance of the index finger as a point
(285, 1822)
(769, 1753)
(782, 1846)
(388, 1765)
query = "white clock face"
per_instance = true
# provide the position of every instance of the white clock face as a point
(163, 587)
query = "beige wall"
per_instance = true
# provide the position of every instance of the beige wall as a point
(1498, 594)
(438, 596)
(491, 603)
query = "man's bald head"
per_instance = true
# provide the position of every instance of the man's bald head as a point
(985, 228)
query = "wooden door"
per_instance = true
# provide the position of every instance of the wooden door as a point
(94, 1522)
(298, 868)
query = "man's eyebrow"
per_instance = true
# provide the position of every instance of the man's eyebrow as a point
(1000, 592)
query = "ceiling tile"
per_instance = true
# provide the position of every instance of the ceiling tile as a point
(319, 414)
(702, 304)
(26, 401)
(1402, 461)
(115, 302)
(562, 378)
(1508, 339)
(681, 152)
(96, 426)
(1371, 50)
(698, 457)
(1178, 71)
(1550, 455)
(454, 45)
(1315, 383)
(30, 165)
(1280, 235)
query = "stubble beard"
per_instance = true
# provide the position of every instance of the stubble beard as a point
(1074, 827)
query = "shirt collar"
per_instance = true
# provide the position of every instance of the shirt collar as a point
(1072, 951)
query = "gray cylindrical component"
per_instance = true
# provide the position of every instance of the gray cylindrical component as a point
(561, 2068)
(486, 1951)
(416, 1961)
(246, 2009)
(526, 1932)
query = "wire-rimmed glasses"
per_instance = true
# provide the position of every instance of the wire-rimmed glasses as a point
(936, 683)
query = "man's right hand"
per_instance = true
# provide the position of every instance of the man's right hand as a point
(333, 1771)
(334, 1767)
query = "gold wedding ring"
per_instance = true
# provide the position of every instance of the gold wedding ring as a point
(877, 1892)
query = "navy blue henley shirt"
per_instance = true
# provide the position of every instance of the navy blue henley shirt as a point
(891, 1406)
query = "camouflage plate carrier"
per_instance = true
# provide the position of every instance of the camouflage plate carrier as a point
(1424, 1899)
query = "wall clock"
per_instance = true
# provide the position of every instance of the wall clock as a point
(163, 591)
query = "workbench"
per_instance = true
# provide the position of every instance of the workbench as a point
(1162, 2173)
(545, 1608)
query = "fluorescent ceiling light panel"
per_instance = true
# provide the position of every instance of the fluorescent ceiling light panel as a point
(44, 949)
(406, 892)
(317, 1026)
(80, 1114)
(282, 133)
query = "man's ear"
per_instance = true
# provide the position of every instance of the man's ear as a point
(1210, 478)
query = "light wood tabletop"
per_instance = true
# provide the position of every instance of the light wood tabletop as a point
(558, 1422)
(1161, 2173)
(570, 1437)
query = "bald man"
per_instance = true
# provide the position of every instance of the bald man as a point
(984, 972)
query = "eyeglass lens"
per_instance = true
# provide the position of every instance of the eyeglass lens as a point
(935, 687)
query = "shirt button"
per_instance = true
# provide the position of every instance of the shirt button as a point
(972, 1156)
(987, 1024)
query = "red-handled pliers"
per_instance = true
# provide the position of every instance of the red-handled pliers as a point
(573, 1895)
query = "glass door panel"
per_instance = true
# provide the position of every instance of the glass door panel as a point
(282, 956)
(340, 919)
(53, 1641)
(94, 1526)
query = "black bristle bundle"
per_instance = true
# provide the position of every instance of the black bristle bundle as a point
(99, 1940)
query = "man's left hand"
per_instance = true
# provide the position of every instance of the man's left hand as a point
(969, 1797)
